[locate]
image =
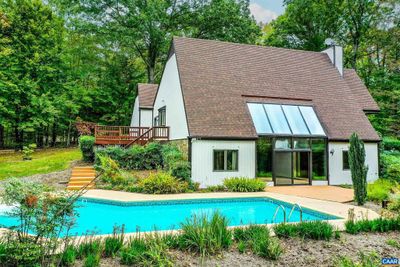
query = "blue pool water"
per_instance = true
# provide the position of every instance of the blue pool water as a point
(100, 216)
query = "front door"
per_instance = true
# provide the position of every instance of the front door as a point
(291, 167)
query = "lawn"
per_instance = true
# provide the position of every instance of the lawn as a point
(44, 161)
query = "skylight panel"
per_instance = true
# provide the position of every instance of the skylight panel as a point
(296, 121)
(260, 119)
(277, 119)
(312, 120)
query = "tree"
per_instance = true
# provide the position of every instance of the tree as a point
(147, 26)
(358, 168)
(306, 24)
(30, 73)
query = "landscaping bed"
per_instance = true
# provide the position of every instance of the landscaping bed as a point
(298, 252)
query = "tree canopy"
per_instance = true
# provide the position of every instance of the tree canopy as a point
(63, 59)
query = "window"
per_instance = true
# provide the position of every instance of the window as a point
(162, 119)
(345, 157)
(156, 121)
(319, 159)
(226, 160)
(264, 157)
(283, 143)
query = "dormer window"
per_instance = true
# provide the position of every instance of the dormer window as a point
(162, 116)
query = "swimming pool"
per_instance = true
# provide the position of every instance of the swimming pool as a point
(101, 216)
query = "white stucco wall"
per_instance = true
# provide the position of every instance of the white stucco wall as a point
(202, 161)
(146, 118)
(339, 176)
(135, 114)
(170, 95)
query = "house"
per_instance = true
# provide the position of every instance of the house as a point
(254, 111)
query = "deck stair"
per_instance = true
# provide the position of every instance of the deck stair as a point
(82, 177)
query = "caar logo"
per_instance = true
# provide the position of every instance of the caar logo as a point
(390, 262)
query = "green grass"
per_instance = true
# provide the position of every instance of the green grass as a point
(44, 161)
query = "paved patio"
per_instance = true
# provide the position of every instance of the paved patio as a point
(322, 192)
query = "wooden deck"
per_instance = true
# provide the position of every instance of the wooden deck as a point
(125, 135)
(322, 192)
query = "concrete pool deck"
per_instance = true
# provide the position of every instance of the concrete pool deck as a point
(333, 208)
(322, 192)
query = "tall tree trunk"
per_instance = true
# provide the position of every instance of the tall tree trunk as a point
(46, 131)
(19, 138)
(1, 136)
(54, 135)
(151, 74)
(69, 135)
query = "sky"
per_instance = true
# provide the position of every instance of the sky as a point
(266, 10)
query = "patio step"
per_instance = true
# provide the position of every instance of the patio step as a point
(82, 177)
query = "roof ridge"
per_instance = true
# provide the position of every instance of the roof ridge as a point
(249, 45)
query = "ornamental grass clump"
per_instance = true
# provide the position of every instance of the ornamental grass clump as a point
(316, 230)
(148, 251)
(113, 244)
(378, 225)
(243, 184)
(206, 235)
(257, 239)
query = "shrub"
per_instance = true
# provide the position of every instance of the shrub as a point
(181, 170)
(242, 184)
(112, 174)
(171, 154)
(377, 225)
(316, 230)
(27, 151)
(206, 235)
(22, 253)
(358, 169)
(41, 214)
(215, 188)
(146, 252)
(68, 257)
(394, 204)
(162, 183)
(134, 158)
(86, 144)
(257, 238)
(379, 190)
(390, 166)
(391, 144)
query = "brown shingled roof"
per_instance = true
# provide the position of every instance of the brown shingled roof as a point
(147, 93)
(360, 91)
(218, 78)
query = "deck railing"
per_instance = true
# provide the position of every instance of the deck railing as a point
(125, 134)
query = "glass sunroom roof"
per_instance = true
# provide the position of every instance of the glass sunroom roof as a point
(285, 119)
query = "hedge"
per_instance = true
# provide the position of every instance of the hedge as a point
(86, 144)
